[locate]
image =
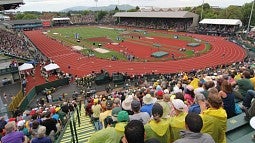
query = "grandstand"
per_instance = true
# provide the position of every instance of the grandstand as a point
(177, 20)
(64, 21)
(23, 24)
(222, 27)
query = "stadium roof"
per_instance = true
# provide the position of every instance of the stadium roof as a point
(16, 22)
(10, 4)
(61, 18)
(222, 22)
(169, 14)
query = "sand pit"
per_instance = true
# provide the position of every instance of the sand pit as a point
(100, 50)
(77, 48)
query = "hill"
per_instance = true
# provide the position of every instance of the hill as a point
(103, 8)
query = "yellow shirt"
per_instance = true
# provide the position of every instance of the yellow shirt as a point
(253, 81)
(104, 115)
(96, 109)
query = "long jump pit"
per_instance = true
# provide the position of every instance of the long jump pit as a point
(100, 50)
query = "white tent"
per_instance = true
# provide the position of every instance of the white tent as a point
(222, 22)
(25, 66)
(51, 66)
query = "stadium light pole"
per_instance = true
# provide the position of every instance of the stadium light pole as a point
(96, 10)
(249, 23)
(201, 16)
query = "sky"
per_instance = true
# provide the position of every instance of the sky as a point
(58, 5)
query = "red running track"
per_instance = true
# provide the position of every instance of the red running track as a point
(81, 65)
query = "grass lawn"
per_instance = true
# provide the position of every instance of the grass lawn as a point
(67, 35)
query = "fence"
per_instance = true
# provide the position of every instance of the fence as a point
(23, 101)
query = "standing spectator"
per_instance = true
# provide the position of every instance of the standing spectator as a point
(96, 109)
(12, 136)
(194, 124)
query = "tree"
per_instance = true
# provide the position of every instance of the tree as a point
(246, 11)
(116, 8)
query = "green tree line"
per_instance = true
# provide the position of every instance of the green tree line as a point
(231, 12)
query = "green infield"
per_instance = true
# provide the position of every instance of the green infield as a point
(91, 37)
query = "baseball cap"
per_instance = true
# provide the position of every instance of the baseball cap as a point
(123, 116)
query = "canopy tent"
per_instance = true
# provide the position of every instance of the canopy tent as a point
(51, 66)
(25, 66)
(222, 22)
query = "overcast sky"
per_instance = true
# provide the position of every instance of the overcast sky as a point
(57, 5)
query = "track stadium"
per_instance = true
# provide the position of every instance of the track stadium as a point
(121, 76)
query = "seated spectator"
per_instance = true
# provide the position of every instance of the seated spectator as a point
(148, 103)
(244, 84)
(177, 123)
(214, 114)
(194, 124)
(228, 98)
(41, 136)
(50, 125)
(134, 132)
(158, 127)
(12, 136)
(195, 107)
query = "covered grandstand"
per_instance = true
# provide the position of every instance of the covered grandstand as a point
(175, 20)
(61, 21)
(222, 27)
(23, 24)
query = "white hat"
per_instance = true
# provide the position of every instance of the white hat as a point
(126, 104)
(21, 123)
(179, 104)
(166, 91)
(252, 122)
(147, 99)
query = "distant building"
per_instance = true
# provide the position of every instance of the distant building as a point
(23, 24)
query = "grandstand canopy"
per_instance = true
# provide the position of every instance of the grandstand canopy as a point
(60, 18)
(168, 14)
(221, 22)
(10, 4)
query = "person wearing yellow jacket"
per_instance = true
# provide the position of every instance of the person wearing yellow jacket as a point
(111, 134)
(214, 118)
(158, 128)
(177, 123)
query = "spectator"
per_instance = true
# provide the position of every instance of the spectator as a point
(158, 127)
(177, 123)
(194, 124)
(41, 136)
(195, 107)
(148, 103)
(111, 134)
(144, 117)
(228, 98)
(12, 136)
(244, 84)
(214, 114)
(106, 113)
(134, 132)
(50, 125)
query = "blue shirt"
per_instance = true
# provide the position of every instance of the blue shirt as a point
(41, 140)
(146, 108)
